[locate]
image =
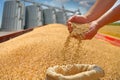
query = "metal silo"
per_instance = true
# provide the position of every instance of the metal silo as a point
(60, 17)
(49, 16)
(13, 15)
(34, 16)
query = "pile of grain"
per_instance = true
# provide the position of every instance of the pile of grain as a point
(28, 56)
(113, 30)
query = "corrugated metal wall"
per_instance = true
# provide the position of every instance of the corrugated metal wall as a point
(49, 16)
(34, 16)
(16, 16)
(60, 17)
(13, 16)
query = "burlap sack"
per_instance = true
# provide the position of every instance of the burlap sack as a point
(74, 72)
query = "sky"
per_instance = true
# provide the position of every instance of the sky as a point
(73, 5)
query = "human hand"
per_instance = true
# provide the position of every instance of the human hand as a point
(93, 29)
(76, 19)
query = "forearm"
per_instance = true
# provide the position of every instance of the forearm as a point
(109, 17)
(98, 9)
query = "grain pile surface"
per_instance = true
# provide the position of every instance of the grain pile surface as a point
(28, 56)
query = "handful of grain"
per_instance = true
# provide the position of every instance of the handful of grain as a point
(73, 44)
(79, 30)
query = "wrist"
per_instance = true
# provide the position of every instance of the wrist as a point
(97, 25)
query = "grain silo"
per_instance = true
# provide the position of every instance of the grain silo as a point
(34, 16)
(13, 16)
(60, 17)
(49, 16)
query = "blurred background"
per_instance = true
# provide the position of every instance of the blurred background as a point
(31, 13)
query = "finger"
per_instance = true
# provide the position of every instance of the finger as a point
(73, 19)
(77, 19)
(69, 27)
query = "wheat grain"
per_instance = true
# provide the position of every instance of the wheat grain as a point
(28, 56)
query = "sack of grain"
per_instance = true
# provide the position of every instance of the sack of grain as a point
(74, 72)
